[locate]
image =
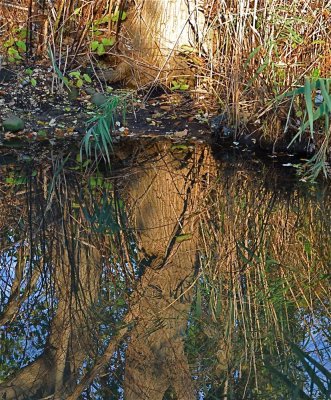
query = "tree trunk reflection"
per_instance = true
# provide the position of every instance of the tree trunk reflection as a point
(166, 202)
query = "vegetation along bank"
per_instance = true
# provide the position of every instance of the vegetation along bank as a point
(252, 73)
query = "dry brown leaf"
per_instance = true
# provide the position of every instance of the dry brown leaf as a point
(181, 134)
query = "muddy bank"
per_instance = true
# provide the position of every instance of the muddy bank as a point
(53, 113)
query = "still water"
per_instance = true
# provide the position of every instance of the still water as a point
(178, 272)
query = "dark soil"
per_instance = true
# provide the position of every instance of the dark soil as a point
(50, 114)
(53, 117)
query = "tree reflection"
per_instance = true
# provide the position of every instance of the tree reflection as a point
(172, 276)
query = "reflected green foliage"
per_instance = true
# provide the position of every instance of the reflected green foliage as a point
(72, 266)
(319, 377)
(65, 202)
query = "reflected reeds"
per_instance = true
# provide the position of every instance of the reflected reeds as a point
(173, 274)
(263, 284)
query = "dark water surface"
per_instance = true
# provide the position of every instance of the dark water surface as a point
(177, 273)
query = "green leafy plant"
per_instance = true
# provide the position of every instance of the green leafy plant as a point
(14, 179)
(114, 17)
(78, 79)
(15, 46)
(29, 78)
(119, 15)
(101, 46)
(180, 84)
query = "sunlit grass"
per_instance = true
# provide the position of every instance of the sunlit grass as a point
(97, 141)
(317, 98)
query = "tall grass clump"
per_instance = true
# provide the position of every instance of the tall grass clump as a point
(245, 54)
(259, 50)
(64, 23)
(316, 117)
(98, 137)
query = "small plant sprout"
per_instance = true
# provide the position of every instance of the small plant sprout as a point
(179, 84)
(78, 79)
(15, 46)
(29, 78)
(101, 46)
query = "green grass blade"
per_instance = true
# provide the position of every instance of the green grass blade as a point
(326, 95)
(56, 69)
(198, 304)
(103, 133)
(294, 388)
(251, 55)
(292, 93)
(309, 104)
(300, 353)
